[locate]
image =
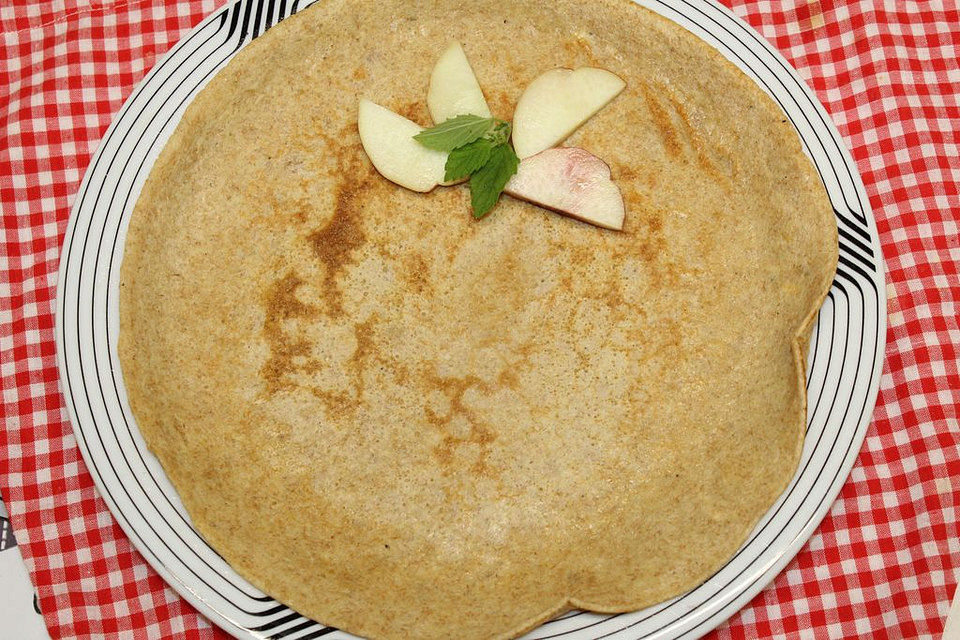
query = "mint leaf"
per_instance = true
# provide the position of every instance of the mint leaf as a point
(478, 148)
(500, 133)
(467, 159)
(488, 182)
(455, 132)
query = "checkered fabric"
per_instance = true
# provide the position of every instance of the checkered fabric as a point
(885, 561)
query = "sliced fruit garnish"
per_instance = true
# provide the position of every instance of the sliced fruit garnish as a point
(454, 90)
(387, 137)
(570, 181)
(557, 102)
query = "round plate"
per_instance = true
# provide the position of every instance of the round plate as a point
(844, 361)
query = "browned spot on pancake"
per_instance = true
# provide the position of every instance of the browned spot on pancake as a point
(351, 130)
(179, 427)
(634, 201)
(416, 272)
(566, 283)
(366, 349)
(580, 256)
(662, 121)
(613, 295)
(694, 139)
(580, 53)
(337, 403)
(681, 138)
(623, 173)
(416, 111)
(519, 72)
(521, 75)
(653, 221)
(335, 243)
(480, 435)
(363, 334)
(288, 355)
(501, 104)
(331, 145)
(508, 377)
(359, 73)
(650, 242)
(636, 187)
(299, 211)
(667, 348)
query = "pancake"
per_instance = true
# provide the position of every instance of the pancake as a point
(407, 423)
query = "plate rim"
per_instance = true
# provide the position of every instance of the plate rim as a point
(762, 577)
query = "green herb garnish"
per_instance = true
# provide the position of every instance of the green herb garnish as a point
(488, 182)
(479, 148)
(467, 159)
(455, 132)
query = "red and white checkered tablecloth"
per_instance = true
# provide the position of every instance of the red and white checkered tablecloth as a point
(885, 561)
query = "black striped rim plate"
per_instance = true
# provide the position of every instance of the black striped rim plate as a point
(844, 360)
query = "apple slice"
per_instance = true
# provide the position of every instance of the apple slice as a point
(454, 90)
(556, 103)
(387, 137)
(570, 181)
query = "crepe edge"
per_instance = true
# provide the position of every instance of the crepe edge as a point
(801, 338)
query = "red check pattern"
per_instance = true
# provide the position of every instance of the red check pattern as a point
(885, 561)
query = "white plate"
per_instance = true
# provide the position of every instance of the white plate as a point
(844, 362)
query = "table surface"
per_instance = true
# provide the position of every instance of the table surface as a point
(884, 562)
(18, 600)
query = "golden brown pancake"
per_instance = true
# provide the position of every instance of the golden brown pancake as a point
(410, 424)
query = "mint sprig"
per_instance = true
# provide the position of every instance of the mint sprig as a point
(487, 183)
(479, 148)
(467, 159)
(455, 132)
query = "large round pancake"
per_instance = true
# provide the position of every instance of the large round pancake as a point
(406, 423)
